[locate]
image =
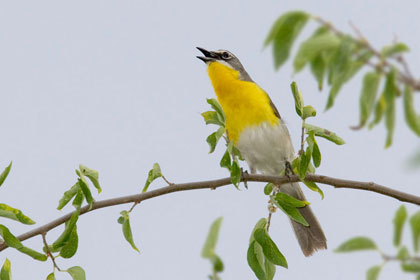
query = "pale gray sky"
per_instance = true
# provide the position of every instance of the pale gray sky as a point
(115, 85)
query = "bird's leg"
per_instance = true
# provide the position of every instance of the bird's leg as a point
(288, 171)
(243, 174)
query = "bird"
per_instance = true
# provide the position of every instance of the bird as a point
(255, 127)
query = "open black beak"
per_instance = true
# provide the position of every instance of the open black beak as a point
(208, 56)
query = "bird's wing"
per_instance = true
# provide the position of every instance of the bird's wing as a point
(275, 111)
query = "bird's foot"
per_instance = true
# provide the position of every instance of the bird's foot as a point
(288, 171)
(243, 175)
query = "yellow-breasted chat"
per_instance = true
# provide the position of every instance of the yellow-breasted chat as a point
(256, 128)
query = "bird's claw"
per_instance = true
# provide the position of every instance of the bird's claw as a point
(243, 177)
(288, 171)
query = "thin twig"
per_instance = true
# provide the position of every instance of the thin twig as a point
(167, 182)
(213, 184)
(269, 220)
(359, 33)
(49, 254)
(271, 209)
(400, 58)
(302, 136)
(134, 205)
(387, 258)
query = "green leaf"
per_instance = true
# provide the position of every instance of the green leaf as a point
(213, 138)
(6, 270)
(411, 117)
(368, 96)
(235, 173)
(70, 246)
(93, 176)
(297, 95)
(211, 240)
(340, 68)
(51, 276)
(413, 266)
(13, 242)
(289, 206)
(362, 56)
(212, 117)
(253, 257)
(415, 230)
(318, 68)
(124, 219)
(65, 235)
(316, 155)
(32, 253)
(295, 164)
(394, 49)
(341, 59)
(234, 151)
(5, 172)
(270, 250)
(379, 111)
(154, 173)
(308, 111)
(313, 146)
(95, 183)
(78, 199)
(311, 168)
(14, 214)
(373, 272)
(268, 188)
(77, 273)
(356, 244)
(68, 195)
(347, 72)
(399, 220)
(217, 263)
(290, 200)
(314, 187)
(270, 269)
(262, 267)
(283, 33)
(312, 47)
(389, 94)
(86, 191)
(324, 133)
(225, 161)
(403, 254)
(319, 64)
(260, 224)
(9, 238)
(216, 106)
(305, 159)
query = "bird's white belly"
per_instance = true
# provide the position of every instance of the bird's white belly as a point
(266, 148)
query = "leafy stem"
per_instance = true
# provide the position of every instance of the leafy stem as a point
(49, 253)
(404, 76)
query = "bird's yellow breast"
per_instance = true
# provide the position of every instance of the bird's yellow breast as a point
(244, 103)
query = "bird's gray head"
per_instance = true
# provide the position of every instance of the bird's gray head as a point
(227, 58)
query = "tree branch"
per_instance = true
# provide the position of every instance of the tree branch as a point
(213, 184)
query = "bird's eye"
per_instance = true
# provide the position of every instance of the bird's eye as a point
(225, 55)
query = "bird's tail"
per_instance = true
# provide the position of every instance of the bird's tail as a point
(310, 238)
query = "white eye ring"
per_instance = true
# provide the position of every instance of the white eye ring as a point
(225, 55)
